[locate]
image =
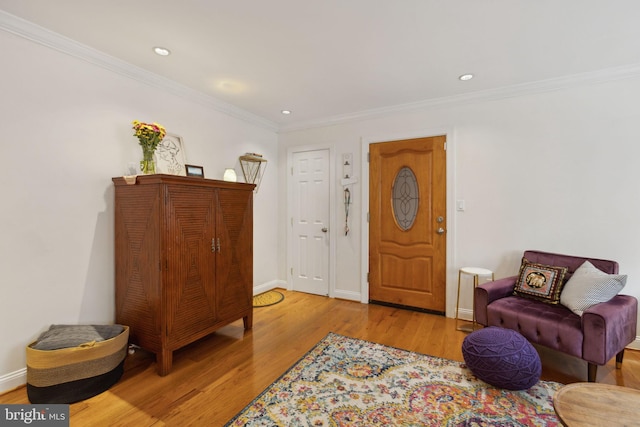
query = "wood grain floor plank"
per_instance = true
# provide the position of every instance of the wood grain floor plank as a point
(215, 377)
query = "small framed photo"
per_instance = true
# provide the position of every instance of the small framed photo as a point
(193, 170)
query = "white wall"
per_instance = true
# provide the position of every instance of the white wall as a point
(66, 130)
(555, 171)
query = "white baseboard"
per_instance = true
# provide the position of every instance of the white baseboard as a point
(352, 296)
(268, 286)
(464, 314)
(635, 345)
(13, 380)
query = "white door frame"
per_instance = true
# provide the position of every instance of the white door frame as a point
(451, 285)
(333, 235)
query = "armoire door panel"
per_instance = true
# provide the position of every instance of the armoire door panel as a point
(190, 262)
(137, 247)
(235, 228)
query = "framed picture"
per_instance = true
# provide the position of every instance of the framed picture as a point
(170, 156)
(193, 170)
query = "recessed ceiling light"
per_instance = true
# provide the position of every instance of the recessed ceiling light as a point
(466, 77)
(162, 51)
(286, 112)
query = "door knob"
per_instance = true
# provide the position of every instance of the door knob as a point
(440, 230)
(325, 229)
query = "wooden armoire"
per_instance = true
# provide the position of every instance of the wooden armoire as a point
(183, 259)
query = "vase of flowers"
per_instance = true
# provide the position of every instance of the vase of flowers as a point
(149, 136)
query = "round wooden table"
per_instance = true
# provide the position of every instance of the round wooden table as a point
(593, 404)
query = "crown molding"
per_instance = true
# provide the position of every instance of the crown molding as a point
(541, 86)
(42, 36)
(35, 33)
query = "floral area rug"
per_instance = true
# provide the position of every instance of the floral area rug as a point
(344, 381)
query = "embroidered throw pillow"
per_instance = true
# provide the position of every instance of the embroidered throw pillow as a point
(539, 281)
(589, 286)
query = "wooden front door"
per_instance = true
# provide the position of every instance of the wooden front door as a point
(407, 225)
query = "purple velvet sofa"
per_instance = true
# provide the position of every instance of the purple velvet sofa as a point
(603, 331)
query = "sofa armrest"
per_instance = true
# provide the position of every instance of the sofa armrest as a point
(608, 328)
(488, 292)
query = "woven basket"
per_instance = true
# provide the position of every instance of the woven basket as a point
(72, 374)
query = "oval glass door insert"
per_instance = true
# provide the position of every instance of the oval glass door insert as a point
(405, 198)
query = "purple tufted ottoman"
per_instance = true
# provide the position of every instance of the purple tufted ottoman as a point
(502, 358)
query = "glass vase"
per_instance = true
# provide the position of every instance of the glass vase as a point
(147, 164)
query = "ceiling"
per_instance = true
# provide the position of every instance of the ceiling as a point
(330, 58)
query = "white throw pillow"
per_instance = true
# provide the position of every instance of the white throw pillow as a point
(590, 286)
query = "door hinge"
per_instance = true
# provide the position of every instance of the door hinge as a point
(291, 170)
(292, 271)
(367, 277)
(368, 157)
(292, 221)
(368, 217)
(445, 146)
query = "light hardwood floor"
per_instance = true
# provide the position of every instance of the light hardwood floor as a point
(215, 378)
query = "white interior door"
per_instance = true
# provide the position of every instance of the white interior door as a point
(310, 222)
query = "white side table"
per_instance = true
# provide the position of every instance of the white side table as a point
(476, 272)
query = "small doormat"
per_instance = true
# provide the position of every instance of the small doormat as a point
(267, 298)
